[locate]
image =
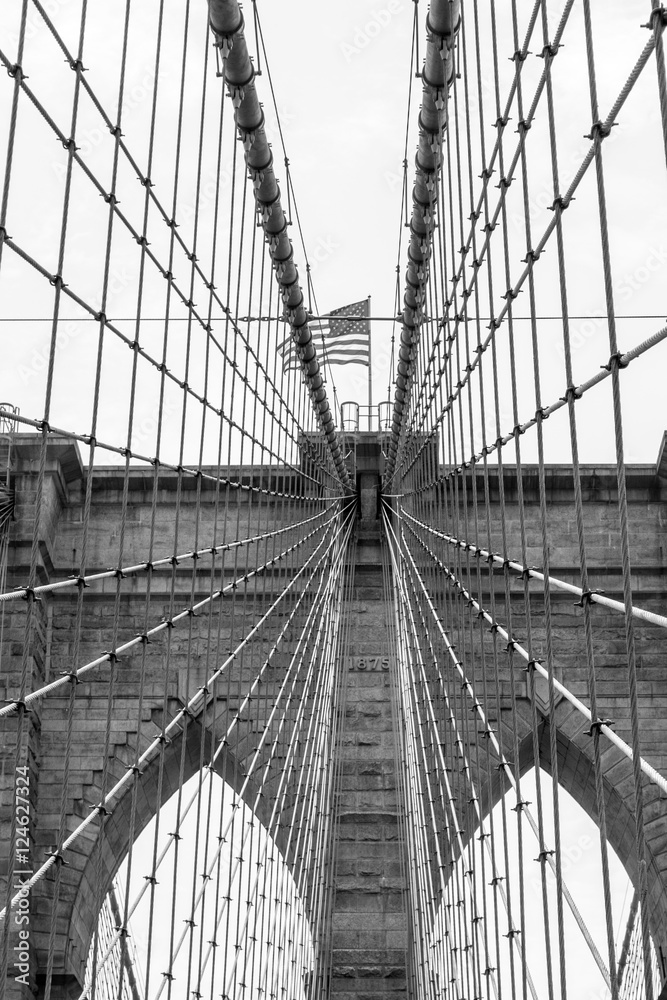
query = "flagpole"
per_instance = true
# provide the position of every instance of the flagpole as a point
(370, 368)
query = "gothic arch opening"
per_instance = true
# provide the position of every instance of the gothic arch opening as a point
(577, 777)
(214, 910)
(506, 877)
(102, 862)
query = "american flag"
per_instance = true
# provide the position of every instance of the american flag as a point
(337, 341)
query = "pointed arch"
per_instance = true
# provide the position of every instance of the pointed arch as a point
(229, 884)
(576, 776)
(82, 915)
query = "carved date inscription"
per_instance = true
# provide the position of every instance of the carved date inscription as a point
(369, 663)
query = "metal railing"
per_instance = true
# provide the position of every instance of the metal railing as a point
(355, 417)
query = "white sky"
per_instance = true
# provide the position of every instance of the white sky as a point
(341, 76)
(344, 105)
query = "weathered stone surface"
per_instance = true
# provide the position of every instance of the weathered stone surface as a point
(369, 924)
(370, 915)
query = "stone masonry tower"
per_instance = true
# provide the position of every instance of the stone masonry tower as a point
(370, 917)
(370, 923)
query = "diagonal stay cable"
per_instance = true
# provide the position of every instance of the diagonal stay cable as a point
(577, 392)
(447, 795)
(166, 273)
(167, 623)
(223, 742)
(437, 743)
(651, 773)
(504, 763)
(418, 872)
(135, 346)
(563, 203)
(227, 24)
(145, 567)
(210, 770)
(327, 586)
(505, 182)
(159, 463)
(534, 574)
(421, 249)
(324, 586)
(195, 707)
(540, 246)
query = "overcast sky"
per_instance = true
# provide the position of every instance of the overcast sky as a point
(341, 78)
(345, 133)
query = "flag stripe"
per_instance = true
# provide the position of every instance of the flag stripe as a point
(348, 338)
(341, 342)
(348, 361)
(329, 346)
(334, 352)
(339, 336)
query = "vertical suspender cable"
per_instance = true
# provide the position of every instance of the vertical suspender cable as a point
(442, 25)
(227, 25)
